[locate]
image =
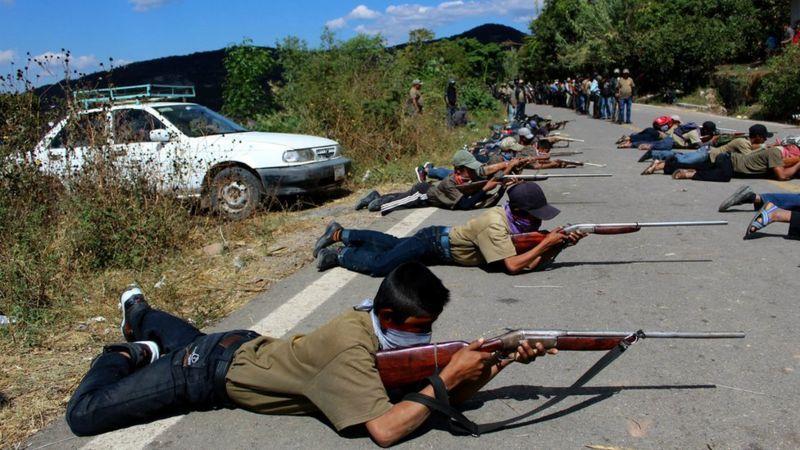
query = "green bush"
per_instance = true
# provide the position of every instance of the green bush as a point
(780, 90)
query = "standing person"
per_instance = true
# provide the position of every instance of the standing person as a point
(625, 87)
(614, 97)
(594, 95)
(606, 99)
(451, 101)
(415, 97)
(586, 86)
(513, 102)
(522, 99)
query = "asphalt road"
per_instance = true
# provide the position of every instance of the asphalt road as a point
(732, 394)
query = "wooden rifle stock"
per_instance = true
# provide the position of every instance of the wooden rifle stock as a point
(527, 241)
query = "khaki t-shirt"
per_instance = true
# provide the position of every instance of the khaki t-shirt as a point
(738, 145)
(757, 162)
(483, 240)
(445, 193)
(415, 93)
(331, 370)
(625, 87)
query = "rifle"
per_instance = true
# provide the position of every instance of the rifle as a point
(404, 366)
(557, 154)
(475, 186)
(524, 242)
(580, 163)
(557, 138)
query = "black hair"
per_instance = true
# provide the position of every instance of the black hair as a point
(411, 290)
(545, 144)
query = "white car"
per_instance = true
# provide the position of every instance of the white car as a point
(191, 150)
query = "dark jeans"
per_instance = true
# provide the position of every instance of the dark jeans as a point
(720, 171)
(114, 395)
(376, 254)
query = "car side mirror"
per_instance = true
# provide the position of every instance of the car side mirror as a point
(159, 135)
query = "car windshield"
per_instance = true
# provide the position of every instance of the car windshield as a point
(197, 121)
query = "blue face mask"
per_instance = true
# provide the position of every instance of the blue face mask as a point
(391, 338)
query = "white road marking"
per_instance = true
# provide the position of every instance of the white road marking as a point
(277, 323)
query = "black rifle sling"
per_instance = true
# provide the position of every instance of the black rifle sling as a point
(459, 422)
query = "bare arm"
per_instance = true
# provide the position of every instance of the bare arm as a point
(786, 173)
(548, 249)
(467, 366)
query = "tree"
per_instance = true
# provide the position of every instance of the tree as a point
(420, 35)
(246, 92)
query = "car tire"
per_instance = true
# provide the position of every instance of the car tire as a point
(235, 193)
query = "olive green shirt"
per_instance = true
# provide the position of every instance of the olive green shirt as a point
(625, 87)
(483, 240)
(757, 162)
(331, 370)
(739, 145)
(444, 193)
(688, 139)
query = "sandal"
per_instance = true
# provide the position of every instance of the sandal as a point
(651, 169)
(760, 220)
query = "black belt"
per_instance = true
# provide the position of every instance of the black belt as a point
(229, 344)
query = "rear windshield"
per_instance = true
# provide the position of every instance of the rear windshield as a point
(197, 121)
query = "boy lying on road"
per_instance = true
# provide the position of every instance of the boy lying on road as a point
(168, 367)
(484, 240)
(771, 207)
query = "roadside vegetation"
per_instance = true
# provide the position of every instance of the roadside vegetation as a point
(675, 45)
(69, 244)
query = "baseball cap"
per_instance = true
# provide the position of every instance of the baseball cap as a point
(530, 198)
(416, 81)
(463, 158)
(616, 70)
(525, 132)
(709, 128)
(675, 118)
(626, 71)
(760, 130)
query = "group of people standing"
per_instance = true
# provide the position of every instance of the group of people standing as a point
(604, 98)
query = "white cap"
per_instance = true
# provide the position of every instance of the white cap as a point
(525, 132)
(675, 118)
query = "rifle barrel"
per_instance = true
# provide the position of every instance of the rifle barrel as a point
(661, 334)
(683, 224)
(561, 175)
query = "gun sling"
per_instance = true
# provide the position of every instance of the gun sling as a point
(459, 423)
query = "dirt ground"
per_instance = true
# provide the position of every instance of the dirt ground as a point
(224, 268)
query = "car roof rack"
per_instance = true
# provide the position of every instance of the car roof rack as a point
(133, 94)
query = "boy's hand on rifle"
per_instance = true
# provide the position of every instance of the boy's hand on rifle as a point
(491, 183)
(526, 353)
(468, 364)
(575, 236)
(555, 237)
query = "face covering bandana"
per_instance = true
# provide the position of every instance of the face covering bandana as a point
(521, 225)
(391, 338)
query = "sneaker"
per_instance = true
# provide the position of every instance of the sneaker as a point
(419, 171)
(329, 237)
(131, 297)
(328, 259)
(374, 206)
(427, 166)
(742, 195)
(365, 201)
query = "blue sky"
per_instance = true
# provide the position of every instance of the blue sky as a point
(135, 30)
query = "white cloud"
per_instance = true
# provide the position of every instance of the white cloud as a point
(335, 24)
(147, 5)
(6, 56)
(398, 19)
(362, 12)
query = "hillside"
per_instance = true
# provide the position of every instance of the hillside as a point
(206, 72)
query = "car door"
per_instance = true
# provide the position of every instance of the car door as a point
(133, 149)
(78, 141)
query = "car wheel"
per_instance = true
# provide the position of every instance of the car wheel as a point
(235, 193)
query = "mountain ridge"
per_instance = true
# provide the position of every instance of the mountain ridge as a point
(205, 69)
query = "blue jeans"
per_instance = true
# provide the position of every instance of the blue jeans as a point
(114, 395)
(790, 202)
(625, 110)
(376, 254)
(512, 112)
(439, 173)
(605, 108)
(686, 159)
